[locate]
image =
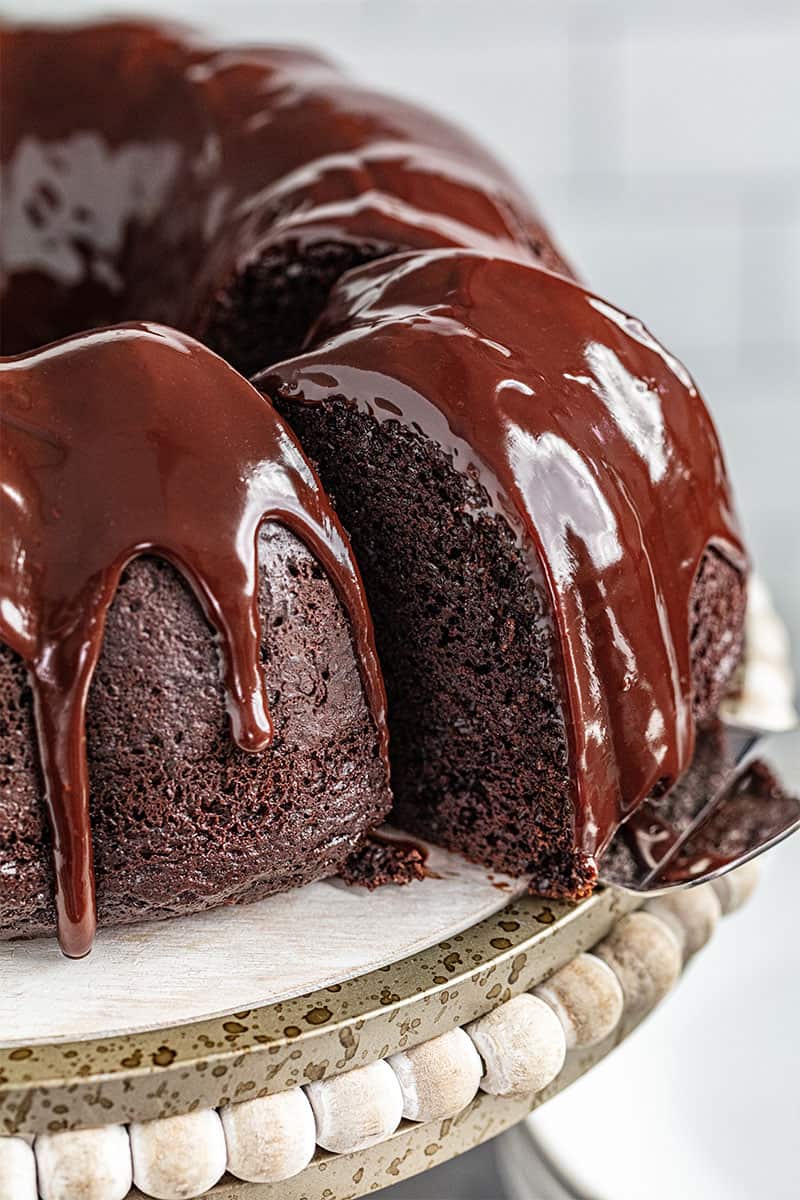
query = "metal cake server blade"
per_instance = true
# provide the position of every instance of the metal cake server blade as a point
(727, 808)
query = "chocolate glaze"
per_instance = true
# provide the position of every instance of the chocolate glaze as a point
(125, 441)
(595, 446)
(148, 207)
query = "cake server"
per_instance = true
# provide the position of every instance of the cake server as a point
(727, 808)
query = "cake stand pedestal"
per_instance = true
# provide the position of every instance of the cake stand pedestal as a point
(179, 1108)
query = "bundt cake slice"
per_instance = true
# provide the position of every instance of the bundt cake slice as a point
(538, 503)
(167, 555)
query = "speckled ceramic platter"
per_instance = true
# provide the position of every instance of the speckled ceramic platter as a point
(156, 974)
(252, 1051)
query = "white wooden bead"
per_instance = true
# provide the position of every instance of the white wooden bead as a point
(775, 712)
(645, 955)
(84, 1164)
(767, 685)
(17, 1170)
(691, 913)
(770, 641)
(763, 678)
(758, 598)
(270, 1138)
(736, 888)
(438, 1078)
(522, 1046)
(176, 1158)
(586, 996)
(356, 1109)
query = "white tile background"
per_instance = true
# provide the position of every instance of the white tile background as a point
(663, 142)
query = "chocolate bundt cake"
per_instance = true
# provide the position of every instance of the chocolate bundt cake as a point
(533, 488)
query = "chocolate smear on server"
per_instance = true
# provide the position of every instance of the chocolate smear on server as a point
(130, 440)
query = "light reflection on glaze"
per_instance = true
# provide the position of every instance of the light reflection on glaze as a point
(126, 441)
(639, 331)
(51, 221)
(635, 408)
(540, 466)
(592, 442)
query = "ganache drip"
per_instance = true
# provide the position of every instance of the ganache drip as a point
(132, 440)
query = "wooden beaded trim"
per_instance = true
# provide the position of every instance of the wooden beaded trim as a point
(504, 1061)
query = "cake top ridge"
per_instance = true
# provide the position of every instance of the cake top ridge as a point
(216, 152)
(130, 440)
(591, 440)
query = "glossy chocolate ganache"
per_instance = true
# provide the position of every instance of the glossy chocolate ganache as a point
(127, 441)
